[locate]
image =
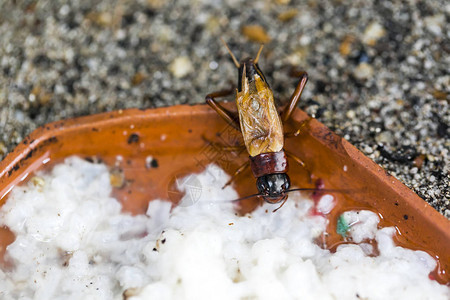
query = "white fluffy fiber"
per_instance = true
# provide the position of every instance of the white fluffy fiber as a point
(73, 242)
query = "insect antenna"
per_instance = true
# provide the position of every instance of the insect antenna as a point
(236, 63)
(317, 190)
(289, 191)
(284, 201)
(246, 197)
(259, 52)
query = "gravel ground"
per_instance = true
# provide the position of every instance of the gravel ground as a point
(379, 71)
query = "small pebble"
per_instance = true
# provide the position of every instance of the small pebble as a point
(368, 149)
(373, 33)
(363, 71)
(213, 65)
(384, 137)
(181, 67)
(288, 15)
(256, 33)
(137, 78)
(3, 149)
(284, 2)
(435, 24)
(346, 45)
(351, 114)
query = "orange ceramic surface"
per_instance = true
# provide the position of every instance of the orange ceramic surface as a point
(175, 137)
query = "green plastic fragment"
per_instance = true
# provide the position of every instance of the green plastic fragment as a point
(342, 226)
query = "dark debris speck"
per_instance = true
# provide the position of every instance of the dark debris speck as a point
(154, 163)
(133, 138)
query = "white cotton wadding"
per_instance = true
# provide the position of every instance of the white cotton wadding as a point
(326, 204)
(363, 224)
(73, 242)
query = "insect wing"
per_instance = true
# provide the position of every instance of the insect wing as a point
(260, 122)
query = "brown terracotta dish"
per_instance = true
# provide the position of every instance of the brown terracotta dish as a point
(156, 146)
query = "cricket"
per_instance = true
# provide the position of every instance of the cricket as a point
(261, 126)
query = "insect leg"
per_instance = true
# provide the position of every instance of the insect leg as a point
(241, 169)
(291, 134)
(289, 109)
(298, 131)
(225, 114)
(298, 160)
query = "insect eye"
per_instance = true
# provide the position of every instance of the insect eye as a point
(263, 185)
